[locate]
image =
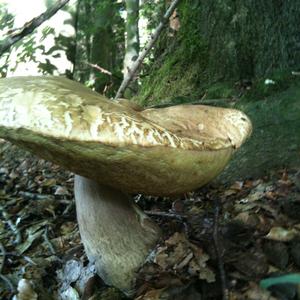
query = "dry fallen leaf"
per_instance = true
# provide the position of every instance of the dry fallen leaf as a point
(151, 295)
(281, 234)
(238, 185)
(199, 265)
(180, 253)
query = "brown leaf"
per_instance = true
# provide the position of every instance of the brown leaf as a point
(281, 234)
(151, 295)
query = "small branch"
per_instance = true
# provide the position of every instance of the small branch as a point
(102, 70)
(129, 76)
(71, 205)
(48, 243)
(218, 251)
(36, 196)
(164, 214)
(17, 34)
(13, 228)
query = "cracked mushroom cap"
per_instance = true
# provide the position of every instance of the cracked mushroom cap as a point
(154, 151)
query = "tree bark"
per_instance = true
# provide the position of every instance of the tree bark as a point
(132, 34)
(95, 45)
(275, 141)
(247, 39)
(224, 42)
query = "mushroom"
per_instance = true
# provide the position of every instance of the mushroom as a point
(118, 149)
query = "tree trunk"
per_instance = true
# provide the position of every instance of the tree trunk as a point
(275, 142)
(246, 39)
(132, 47)
(102, 55)
(132, 34)
(96, 44)
(81, 70)
(224, 42)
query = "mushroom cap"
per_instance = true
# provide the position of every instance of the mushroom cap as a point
(154, 151)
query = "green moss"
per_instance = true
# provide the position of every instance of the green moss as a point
(180, 69)
(277, 82)
(275, 141)
(220, 90)
(219, 44)
(169, 83)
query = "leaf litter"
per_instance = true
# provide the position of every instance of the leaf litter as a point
(41, 256)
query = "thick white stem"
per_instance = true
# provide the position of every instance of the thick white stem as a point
(116, 234)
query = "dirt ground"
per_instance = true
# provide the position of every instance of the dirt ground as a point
(240, 241)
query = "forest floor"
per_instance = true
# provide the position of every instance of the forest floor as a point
(242, 240)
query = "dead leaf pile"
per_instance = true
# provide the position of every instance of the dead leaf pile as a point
(258, 234)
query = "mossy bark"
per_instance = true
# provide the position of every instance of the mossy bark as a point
(224, 41)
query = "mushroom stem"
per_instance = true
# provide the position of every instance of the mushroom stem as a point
(116, 234)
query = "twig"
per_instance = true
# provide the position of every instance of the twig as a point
(70, 205)
(48, 243)
(3, 277)
(13, 228)
(17, 34)
(102, 70)
(36, 196)
(225, 291)
(130, 75)
(164, 214)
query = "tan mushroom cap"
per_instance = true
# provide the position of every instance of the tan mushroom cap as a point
(155, 151)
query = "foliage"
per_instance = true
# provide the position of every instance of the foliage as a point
(152, 11)
(98, 40)
(34, 48)
(6, 24)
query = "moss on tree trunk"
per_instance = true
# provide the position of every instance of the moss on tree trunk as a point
(228, 41)
(275, 141)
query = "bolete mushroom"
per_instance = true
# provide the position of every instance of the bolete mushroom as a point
(118, 149)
